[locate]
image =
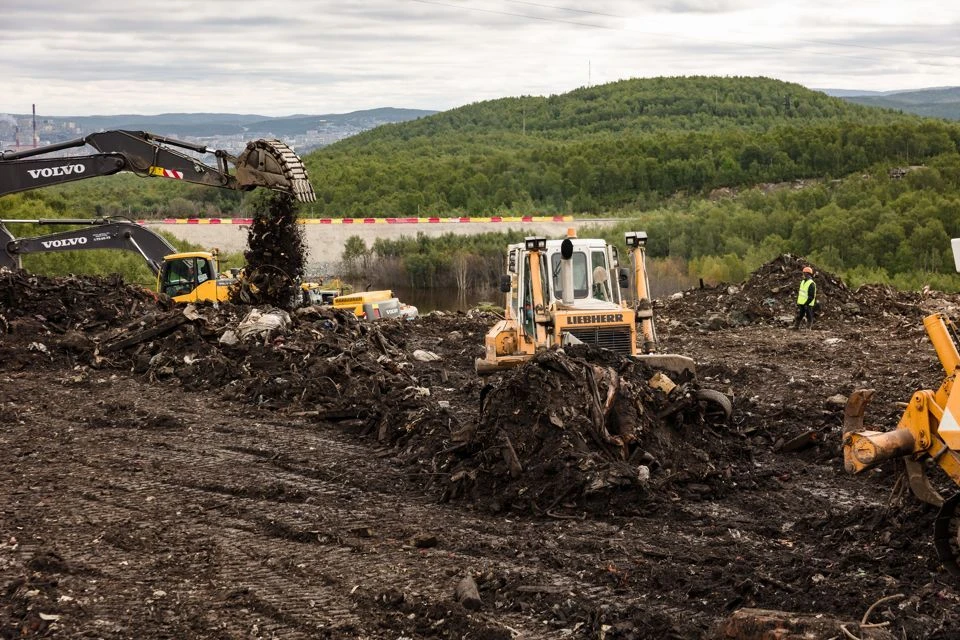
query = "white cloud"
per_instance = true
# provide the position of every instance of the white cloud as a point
(321, 56)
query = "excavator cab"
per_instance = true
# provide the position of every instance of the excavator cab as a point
(192, 277)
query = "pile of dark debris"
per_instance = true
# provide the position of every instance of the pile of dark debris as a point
(571, 428)
(404, 384)
(768, 296)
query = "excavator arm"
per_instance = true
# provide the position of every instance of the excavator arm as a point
(99, 233)
(263, 163)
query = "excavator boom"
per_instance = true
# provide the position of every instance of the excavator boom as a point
(263, 163)
(99, 233)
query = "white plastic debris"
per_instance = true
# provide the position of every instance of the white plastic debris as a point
(38, 346)
(425, 356)
(257, 323)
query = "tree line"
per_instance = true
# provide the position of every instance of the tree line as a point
(882, 226)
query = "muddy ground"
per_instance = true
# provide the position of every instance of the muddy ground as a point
(166, 476)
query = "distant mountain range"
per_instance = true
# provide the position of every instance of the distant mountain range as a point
(223, 124)
(313, 131)
(936, 102)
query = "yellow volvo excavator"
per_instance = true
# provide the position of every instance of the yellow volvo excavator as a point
(187, 277)
(928, 431)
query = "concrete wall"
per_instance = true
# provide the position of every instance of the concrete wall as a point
(325, 241)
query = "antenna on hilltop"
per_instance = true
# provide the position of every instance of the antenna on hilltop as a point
(589, 71)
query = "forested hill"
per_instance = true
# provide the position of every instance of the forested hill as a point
(625, 144)
(654, 104)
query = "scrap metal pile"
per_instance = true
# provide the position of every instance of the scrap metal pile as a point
(543, 439)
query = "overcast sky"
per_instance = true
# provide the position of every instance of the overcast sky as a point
(281, 57)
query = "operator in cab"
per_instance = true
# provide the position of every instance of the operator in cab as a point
(806, 299)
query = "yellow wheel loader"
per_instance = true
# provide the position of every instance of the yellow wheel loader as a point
(570, 291)
(375, 305)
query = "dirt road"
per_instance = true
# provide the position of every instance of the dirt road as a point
(317, 482)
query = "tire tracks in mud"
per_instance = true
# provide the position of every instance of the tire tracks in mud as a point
(248, 522)
(205, 515)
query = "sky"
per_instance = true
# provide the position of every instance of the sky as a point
(285, 57)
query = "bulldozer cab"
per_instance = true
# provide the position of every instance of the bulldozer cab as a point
(592, 262)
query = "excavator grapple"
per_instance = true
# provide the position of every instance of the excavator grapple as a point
(272, 164)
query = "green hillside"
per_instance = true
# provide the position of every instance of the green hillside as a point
(624, 144)
(724, 174)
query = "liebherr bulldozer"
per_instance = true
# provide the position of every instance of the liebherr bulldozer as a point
(562, 292)
(928, 431)
(187, 277)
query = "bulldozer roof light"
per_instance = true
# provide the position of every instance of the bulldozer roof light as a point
(535, 244)
(635, 238)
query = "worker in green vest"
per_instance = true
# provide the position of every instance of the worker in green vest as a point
(806, 299)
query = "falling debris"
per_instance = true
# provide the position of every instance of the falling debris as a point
(276, 255)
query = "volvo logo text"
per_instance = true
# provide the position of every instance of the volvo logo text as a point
(51, 172)
(66, 242)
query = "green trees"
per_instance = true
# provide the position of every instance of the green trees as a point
(608, 147)
(867, 227)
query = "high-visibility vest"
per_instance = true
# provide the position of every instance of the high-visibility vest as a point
(805, 292)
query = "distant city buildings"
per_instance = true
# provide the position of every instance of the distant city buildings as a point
(17, 131)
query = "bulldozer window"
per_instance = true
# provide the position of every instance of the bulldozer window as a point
(601, 276)
(581, 282)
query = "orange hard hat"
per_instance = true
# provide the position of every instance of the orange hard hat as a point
(807, 270)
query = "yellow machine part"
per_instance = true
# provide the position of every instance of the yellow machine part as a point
(505, 348)
(215, 289)
(209, 291)
(356, 301)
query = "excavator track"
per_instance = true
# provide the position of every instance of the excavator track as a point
(946, 535)
(273, 164)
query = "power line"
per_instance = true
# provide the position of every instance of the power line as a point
(550, 6)
(675, 36)
(517, 15)
(831, 43)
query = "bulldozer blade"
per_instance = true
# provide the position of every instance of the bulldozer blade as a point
(485, 367)
(853, 412)
(274, 165)
(920, 485)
